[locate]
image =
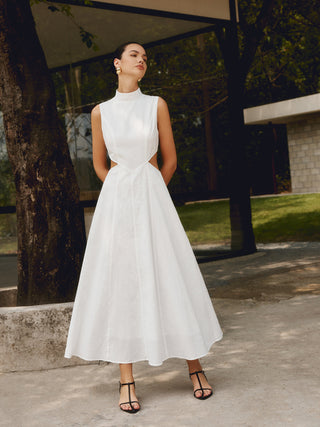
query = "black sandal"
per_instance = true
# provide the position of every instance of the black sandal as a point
(203, 396)
(133, 410)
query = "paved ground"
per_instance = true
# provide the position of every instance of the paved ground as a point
(275, 272)
(265, 372)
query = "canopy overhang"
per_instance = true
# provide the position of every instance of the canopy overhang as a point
(146, 21)
(282, 112)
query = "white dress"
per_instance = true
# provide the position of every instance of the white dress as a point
(141, 295)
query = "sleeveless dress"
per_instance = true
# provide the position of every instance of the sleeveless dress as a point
(141, 295)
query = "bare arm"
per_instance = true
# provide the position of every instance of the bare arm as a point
(167, 147)
(99, 151)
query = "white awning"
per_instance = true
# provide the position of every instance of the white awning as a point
(283, 111)
(144, 21)
(218, 9)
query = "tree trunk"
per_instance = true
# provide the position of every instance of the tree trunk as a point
(51, 235)
(242, 237)
(212, 170)
(237, 69)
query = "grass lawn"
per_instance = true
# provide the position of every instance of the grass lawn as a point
(275, 219)
(8, 239)
(8, 245)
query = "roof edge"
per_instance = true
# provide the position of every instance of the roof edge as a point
(283, 111)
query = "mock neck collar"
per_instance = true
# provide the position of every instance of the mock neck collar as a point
(128, 96)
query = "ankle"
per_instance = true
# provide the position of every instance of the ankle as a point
(124, 380)
(194, 367)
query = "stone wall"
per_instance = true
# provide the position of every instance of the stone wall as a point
(304, 153)
(34, 338)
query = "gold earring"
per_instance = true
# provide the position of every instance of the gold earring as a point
(139, 80)
(118, 70)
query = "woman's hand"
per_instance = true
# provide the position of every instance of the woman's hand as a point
(167, 146)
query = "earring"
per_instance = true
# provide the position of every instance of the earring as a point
(139, 80)
(118, 70)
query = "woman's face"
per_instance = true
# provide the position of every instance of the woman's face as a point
(133, 61)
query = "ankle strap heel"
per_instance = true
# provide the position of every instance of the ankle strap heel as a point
(128, 384)
(203, 396)
(133, 410)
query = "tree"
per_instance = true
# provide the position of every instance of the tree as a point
(51, 236)
(209, 135)
(287, 63)
(253, 20)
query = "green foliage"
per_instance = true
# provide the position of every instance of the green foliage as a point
(287, 62)
(283, 182)
(88, 38)
(177, 72)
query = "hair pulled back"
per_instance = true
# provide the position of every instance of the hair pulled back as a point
(120, 49)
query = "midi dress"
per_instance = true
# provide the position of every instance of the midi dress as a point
(141, 295)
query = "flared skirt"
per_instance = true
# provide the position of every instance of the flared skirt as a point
(141, 295)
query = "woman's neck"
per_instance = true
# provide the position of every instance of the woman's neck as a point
(126, 86)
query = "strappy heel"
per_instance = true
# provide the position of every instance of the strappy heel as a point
(133, 410)
(203, 396)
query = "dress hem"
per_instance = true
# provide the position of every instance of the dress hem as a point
(142, 360)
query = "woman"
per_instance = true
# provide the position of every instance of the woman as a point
(141, 295)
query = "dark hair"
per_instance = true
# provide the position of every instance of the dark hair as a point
(120, 49)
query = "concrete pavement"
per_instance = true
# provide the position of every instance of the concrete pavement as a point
(265, 371)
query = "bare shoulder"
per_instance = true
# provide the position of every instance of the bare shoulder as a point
(162, 105)
(162, 110)
(95, 112)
